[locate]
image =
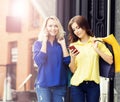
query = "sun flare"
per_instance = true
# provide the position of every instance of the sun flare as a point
(19, 9)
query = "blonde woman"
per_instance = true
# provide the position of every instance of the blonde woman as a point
(51, 55)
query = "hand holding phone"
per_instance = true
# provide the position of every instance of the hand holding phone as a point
(45, 35)
(74, 50)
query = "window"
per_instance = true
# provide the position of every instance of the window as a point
(13, 52)
(13, 24)
(13, 58)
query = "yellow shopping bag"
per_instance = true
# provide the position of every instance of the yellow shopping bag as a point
(110, 39)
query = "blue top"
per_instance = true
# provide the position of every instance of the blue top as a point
(51, 65)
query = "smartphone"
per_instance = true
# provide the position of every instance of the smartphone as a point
(73, 48)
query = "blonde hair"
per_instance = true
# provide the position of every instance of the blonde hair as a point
(61, 30)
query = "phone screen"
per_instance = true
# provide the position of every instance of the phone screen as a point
(73, 48)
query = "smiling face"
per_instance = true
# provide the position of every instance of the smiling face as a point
(52, 28)
(78, 28)
(78, 31)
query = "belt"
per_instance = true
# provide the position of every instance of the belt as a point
(87, 82)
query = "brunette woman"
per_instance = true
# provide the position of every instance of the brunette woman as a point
(84, 62)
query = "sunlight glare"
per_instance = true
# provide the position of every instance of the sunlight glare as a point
(19, 9)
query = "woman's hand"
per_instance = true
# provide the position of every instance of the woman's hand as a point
(107, 58)
(74, 52)
(45, 36)
(61, 41)
(72, 64)
(95, 44)
(44, 43)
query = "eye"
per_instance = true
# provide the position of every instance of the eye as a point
(56, 26)
(49, 25)
(77, 27)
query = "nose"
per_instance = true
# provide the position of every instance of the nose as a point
(53, 28)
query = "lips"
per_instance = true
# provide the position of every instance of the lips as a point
(78, 33)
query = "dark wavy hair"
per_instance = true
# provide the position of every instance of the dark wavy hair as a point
(83, 23)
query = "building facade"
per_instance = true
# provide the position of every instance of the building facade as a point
(20, 24)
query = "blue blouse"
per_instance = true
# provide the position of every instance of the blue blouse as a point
(52, 69)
